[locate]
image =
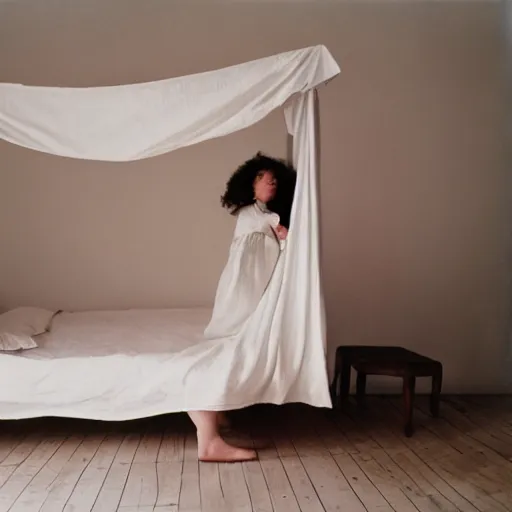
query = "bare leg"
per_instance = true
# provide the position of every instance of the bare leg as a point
(210, 446)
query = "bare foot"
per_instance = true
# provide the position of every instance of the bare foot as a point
(217, 450)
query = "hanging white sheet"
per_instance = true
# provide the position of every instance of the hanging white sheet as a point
(130, 122)
(279, 355)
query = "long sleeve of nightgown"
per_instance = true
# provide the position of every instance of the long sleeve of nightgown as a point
(252, 259)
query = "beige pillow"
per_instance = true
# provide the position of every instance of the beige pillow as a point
(18, 326)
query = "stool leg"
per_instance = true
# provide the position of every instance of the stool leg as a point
(435, 397)
(345, 378)
(360, 387)
(409, 387)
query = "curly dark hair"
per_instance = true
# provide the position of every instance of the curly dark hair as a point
(240, 186)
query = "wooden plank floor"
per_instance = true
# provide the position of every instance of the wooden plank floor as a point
(310, 461)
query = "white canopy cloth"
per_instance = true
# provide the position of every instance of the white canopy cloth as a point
(279, 354)
(130, 122)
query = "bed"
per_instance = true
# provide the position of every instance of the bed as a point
(107, 365)
(124, 365)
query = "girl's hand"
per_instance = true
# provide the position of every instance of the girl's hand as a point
(281, 232)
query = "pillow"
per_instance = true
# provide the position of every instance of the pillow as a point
(19, 325)
(12, 342)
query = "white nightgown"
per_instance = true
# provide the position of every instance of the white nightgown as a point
(253, 255)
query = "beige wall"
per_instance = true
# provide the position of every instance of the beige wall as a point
(413, 174)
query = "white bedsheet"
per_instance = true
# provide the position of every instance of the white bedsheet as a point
(115, 365)
(131, 333)
(135, 121)
(108, 365)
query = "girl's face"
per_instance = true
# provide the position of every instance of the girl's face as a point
(265, 187)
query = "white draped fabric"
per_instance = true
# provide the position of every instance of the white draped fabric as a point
(278, 355)
(130, 122)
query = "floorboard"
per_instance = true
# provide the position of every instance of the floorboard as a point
(355, 460)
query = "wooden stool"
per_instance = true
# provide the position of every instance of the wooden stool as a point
(390, 361)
